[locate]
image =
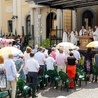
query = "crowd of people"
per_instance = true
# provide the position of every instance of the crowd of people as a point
(72, 36)
(34, 61)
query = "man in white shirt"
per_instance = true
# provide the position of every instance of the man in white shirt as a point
(50, 62)
(40, 57)
(76, 55)
(33, 69)
(11, 74)
(82, 31)
(95, 34)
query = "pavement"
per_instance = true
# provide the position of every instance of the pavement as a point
(89, 91)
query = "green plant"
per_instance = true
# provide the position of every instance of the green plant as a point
(46, 43)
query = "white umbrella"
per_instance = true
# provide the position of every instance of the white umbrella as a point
(92, 44)
(0, 39)
(9, 50)
(66, 45)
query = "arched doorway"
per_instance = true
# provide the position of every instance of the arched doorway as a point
(50, 23)
(28, 25)
(87, 19)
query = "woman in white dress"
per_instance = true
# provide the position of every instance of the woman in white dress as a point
(73, 35)
(2, 74)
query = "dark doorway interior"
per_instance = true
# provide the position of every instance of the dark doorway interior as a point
(28, 26)
(10, 26)
(49, 23)
(87, 19)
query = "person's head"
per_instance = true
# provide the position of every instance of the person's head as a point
(10, 43)
(1, 59)
(82, 27)
(53, 49)
(60, 51)
(89, 49)
(71, 54)
(43, 50)
(96, 27)
(18, 47)
(28, 49)
(31, 54)
(74, 29)
(18, 40)
(40, 49)
(89, 27)
(21, 56)
(66, 30)
(10, 56)
(36, 46)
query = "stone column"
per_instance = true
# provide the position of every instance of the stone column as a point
(32, 22)
(31, 43)
(0, 17)
(73, 19)
(38, 26)
(59, 21)
(14, 14)
(19, 14)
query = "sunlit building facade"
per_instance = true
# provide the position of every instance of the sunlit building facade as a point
(40, 22)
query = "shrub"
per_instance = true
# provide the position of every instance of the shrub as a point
(46, 43)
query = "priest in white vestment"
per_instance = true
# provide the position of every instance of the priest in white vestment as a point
(82, 31)
(65, 36)
(95, 34)
(73, 35)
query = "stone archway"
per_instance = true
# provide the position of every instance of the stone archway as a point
(51, 18)
(87, 19)
(86, 15)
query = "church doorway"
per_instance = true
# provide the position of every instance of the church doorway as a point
(87, 19)
(50, 24)
(28, 26)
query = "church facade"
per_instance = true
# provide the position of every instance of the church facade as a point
(41, 22)
(19, 16)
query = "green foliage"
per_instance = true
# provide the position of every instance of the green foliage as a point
(46, 43)
(81, 61)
